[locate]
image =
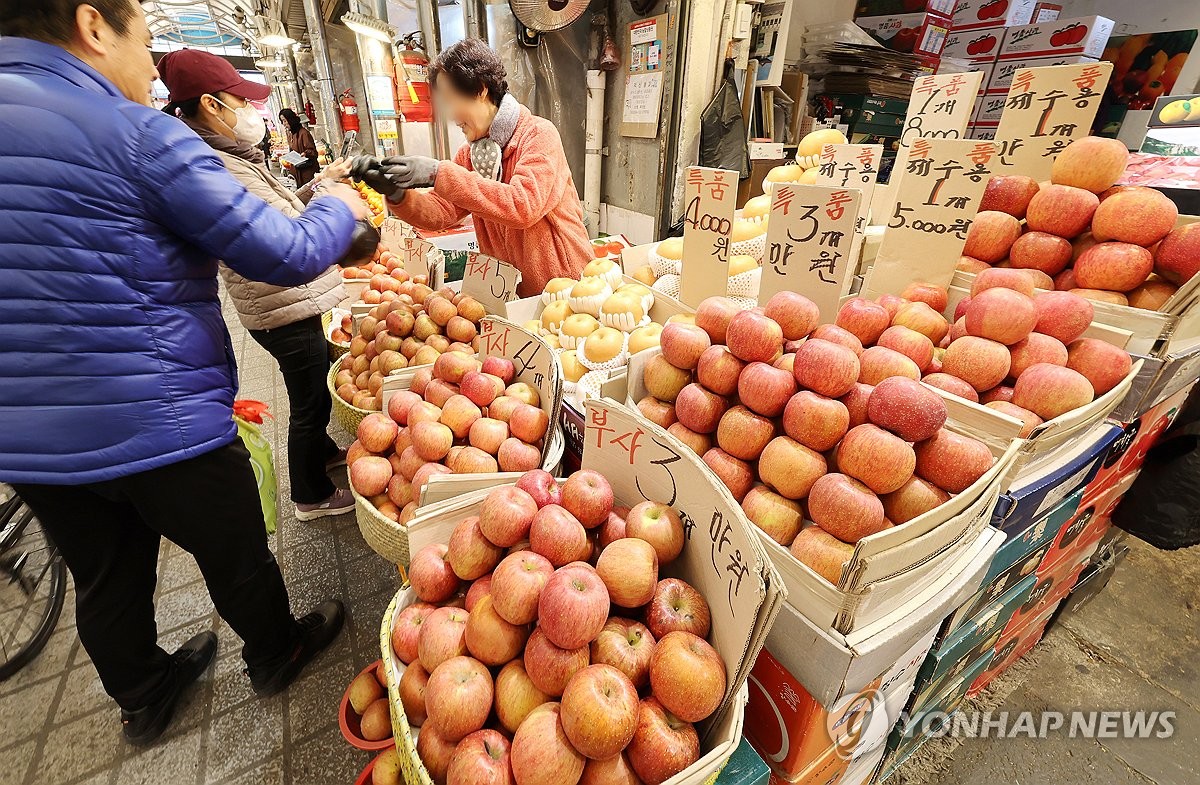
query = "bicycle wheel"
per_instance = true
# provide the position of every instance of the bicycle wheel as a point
(33, 586)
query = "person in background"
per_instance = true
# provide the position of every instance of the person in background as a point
(511, 176)
(214, 101)
(265, 145)
(117, 375)
(300, 141)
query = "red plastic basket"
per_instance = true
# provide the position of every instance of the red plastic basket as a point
(349, 721)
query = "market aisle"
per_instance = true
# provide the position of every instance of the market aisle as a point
(57, 727)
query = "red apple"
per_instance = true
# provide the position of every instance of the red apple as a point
(627, 646)
(573, 606)
(880, 460)
(743, 434)
(1037, 348)
(991, 234)
(528, 423)
(1141, 216)
(790, 468)
(515, 455)
(400, 403)
(1062, 315)
(612, 771)
(442, 637)
(548, 666)
(1152, 294)
(1061, 210)
(599, 711)
(1040, 251)
(1028, 419)
(1103, 364)
(1090, 162)
(698, 443)
(663, 380)
(1009, 194)
(936, 297)
(713, 316)
(779, 517)
(676, 605)
(1177, 257)
(435, 752)
(458, 697)
(979, 362)
(718, 370)
(845, 507)
(488, 434)
(1101, 296)
(412, 693)
(376, 432)
(656, 411)
(813, 420)
(479, 589)
(407, 630)
(865, 319)
(588, 496)
(658, 525)
(825, 367)
(736, 475)
(999, 393)
(855, 402)
(517, 584)
(558, 535)
(754, 337)
(432, 575)
(765, 389)
(1000, 278)
(500, 367)
(923, 319)
(482, 758)
(541, 754)
(516, 695)
(1051, 390)
(370, 475)
(952, 385)
(687, 675)
(470, 553)
(1119, 267)
(663, 745)
(912, 499)
(835, 334)
(506, 515)
(629, 569)
(613, 528)
(906, 408)
(541, 487)
(503, 407)
(908, 342)
(1001, 315)
(480, 388)
(682, 344)
(879, 363)
(489, 638)
(825, 554)
(952, 461)
(796, 315)
(699, 409)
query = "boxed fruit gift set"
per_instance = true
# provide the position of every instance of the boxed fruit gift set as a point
(615, 655)
(465, 414)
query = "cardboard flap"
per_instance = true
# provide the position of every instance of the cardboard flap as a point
(490, 281)
(354, 289)
(723, 558)
(441, 487)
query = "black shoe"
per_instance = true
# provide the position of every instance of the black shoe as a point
(317, 630)
(187, 664)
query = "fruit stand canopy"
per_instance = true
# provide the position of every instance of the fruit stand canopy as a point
(201, 23)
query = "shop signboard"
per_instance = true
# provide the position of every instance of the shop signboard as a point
(707, 224)
(809, 241)
(1046, 109)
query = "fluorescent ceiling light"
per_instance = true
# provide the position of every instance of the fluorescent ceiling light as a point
(369, 27)
(272, 33)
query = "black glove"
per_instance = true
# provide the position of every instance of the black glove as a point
(411, 171)
(368, 169)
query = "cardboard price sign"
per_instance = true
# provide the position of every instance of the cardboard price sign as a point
(1046, 109)
(810, 238)
(536, 363)
(393, 233)
(940, 107)
(721, 556)
(851, 166)
(936, 200)
(707, 224)
(490, 281)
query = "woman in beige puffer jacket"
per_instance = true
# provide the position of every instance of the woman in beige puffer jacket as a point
(286, 321)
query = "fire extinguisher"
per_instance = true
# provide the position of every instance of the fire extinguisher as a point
(348, 112)
(412, 86)
(310, 112)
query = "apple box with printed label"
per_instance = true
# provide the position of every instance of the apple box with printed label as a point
(1085, 35)
(974, 14)
(1129, 452)
(1003, 71)
(882, 7)
(1159, 379)
(1014, 645)
(919, 34)
(974, 46)
(1089, 524)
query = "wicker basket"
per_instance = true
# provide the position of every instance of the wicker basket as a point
(405, 735)
(390, 539)
(346, 415)
(336, 350)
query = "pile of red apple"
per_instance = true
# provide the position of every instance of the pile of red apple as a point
(382, 263)
(459, 416)
(801, 422)
(413, 325)
(1084, 234)
(546, 650)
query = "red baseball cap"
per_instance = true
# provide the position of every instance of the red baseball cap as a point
(191, 73)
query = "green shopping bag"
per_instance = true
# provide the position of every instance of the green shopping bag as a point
(248, 416)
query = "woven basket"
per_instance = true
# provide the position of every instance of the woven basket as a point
(346, 415)
(405, 734)
(390, 539)
(336, 350)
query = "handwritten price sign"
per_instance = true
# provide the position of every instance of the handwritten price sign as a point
(936, 200)
(707, 223)
(534, 360)
(490, 281)
(853, 166)
(810, 238)
(1046, 109)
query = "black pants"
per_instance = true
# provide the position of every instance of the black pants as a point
(303, 357)
(108, 533)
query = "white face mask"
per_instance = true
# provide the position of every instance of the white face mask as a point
(249, 128)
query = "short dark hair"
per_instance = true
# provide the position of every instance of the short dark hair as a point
(53, 21)
(471, 66)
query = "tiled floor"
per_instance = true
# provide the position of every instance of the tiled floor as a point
(57, 727)
(1135, 646)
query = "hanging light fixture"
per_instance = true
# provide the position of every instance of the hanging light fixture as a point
(370, 27)
(272, 33)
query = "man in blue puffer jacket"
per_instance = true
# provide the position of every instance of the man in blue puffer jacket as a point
(116, 371)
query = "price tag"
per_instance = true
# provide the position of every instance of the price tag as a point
(535, 362)
(394, 233)
(853, 166)
(707, 223)
(936, 199)
(1046, 109)
(490, 281)
(940, 107)
(810, 238)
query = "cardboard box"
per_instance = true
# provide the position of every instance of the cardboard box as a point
(1002, 73)
(974, 46)
(918, 34)
(766, 150)
(976, 14)
(968, 642)
(831, 665)
(922, 722)
(1018, 558)
(1086, 35)
(1040, 489)
(885, 7)
(1090, 523)
(721, 558)
(1053, 584)
(795, 733)
(1129, 452)
(1159, 379)
(1046, 12)
(1013, 646)
(745, 767)
(989, 107)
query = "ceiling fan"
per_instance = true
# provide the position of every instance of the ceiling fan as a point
(535, 17)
